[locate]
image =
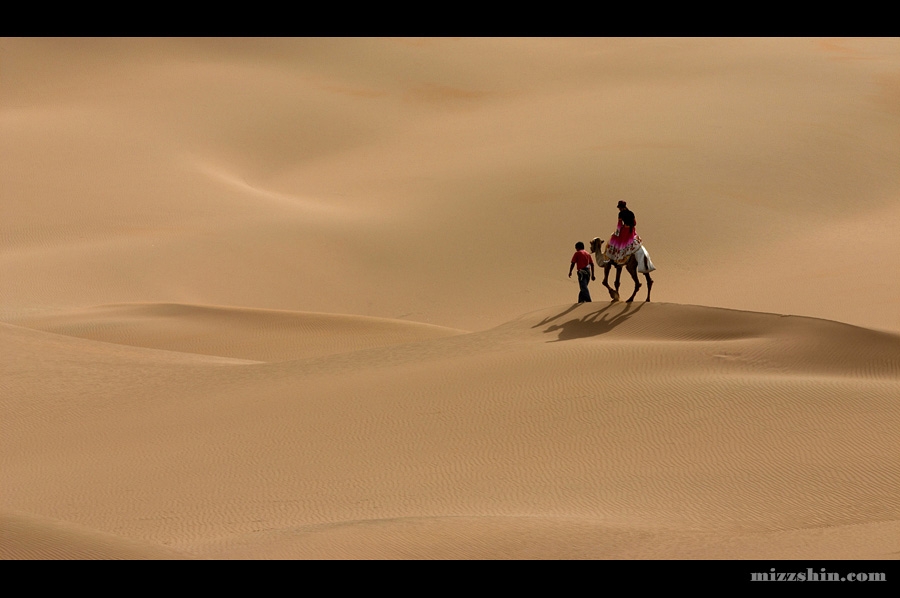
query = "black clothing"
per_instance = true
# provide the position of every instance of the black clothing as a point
(584, 278)
(627, 217)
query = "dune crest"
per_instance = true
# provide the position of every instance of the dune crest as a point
(226, 331)
(792, 344)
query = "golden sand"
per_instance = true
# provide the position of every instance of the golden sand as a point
(307, 299)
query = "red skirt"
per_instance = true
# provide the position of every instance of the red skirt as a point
(622, 244)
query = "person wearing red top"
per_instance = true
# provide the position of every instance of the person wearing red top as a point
(585, 263)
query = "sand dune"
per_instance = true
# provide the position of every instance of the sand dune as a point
(31, 538)
(586, 431)
(307, 298)
(243, 333)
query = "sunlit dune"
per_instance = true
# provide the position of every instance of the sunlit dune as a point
(243, 333)
(657, 429)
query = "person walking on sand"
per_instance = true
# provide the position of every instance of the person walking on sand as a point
(585, 263)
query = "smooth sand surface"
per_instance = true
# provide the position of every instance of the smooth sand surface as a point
(307, 299)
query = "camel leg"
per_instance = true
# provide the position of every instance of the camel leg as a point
(649, 285)
(632, 269)
(614, 295)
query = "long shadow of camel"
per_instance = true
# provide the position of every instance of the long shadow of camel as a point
(592, 324)
(557, 316)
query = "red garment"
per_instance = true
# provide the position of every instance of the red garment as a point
(622, 244)
(582, 259)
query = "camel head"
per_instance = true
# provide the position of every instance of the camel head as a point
(596, 245)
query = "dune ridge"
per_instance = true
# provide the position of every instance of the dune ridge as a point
(227, 331)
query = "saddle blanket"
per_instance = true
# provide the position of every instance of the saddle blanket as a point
(644, 264)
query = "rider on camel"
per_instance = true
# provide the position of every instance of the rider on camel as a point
(625, 241)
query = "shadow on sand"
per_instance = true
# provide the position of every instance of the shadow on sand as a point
(592, 324)
(556, 317)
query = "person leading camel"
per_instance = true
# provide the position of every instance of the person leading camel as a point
(585, 264)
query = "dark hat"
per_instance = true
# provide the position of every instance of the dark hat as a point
(621, 204)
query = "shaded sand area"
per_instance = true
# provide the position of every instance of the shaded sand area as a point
(645, 430)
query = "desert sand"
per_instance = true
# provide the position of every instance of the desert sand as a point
(307, 298)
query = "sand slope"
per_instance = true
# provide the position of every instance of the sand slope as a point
(25, 537)
(244, 333)
(590, 431)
